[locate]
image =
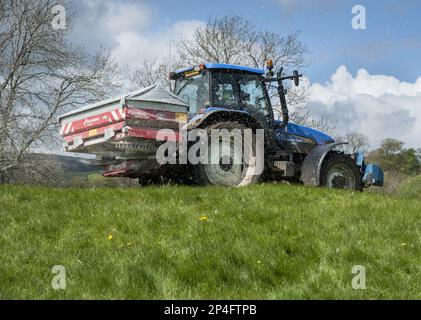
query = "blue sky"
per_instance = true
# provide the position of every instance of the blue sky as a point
(373, 73)
(390, 45)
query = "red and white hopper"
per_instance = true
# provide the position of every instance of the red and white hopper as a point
(124, 127)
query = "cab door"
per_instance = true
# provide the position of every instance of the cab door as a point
(255, 100)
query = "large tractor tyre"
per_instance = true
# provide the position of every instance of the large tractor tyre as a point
(341, 172)
(232, 169)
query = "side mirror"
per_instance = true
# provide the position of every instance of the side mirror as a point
(296, 77)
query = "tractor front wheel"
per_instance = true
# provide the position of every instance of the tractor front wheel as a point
(341, 172)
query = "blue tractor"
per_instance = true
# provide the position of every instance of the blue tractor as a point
(222, 96)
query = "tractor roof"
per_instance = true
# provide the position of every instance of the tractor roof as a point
(224, 66)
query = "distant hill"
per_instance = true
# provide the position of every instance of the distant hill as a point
(70, 163)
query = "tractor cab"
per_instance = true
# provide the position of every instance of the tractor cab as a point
(222, 86)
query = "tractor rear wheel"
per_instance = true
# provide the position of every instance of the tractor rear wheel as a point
(231, 169)
(341, 172)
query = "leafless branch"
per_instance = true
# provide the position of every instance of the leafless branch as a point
(41, 75)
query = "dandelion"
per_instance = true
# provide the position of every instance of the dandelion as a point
(110, 237)
(204, 218)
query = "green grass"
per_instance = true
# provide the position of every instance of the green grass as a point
(261, 242)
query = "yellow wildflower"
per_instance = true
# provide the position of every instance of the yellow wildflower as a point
(204, 218)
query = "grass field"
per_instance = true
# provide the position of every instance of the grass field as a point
(262, 242)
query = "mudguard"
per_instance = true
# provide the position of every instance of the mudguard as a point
(223, 113)
(312, 165)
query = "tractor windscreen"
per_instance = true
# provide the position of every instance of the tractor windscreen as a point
(194, 90)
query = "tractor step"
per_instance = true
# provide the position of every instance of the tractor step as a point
(287, 167)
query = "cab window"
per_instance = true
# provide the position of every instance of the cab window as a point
(194, 90)
(252, 93)
(224, 90)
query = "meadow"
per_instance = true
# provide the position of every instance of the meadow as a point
(267, 241)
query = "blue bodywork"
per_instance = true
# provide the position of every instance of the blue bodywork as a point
(224, 66)
(295, 131)
(359, 160)
(373, 174)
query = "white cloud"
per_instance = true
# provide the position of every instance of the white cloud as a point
(132, 47)
(120, 17)
(379, 106)
(131, 29)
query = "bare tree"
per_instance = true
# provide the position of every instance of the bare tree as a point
(148, 73)
(235, 40)
(224, 40)
(154, 71)
(41, 75)
(356, 142)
